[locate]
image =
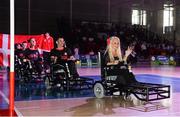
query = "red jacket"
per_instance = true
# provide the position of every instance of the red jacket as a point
(47, 44)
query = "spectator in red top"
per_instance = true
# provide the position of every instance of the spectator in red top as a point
(46, 46)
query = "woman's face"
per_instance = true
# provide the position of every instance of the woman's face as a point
(60, 42)
(32, 42)
(115, 43)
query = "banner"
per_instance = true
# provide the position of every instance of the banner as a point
(4, 50)
(5, 45)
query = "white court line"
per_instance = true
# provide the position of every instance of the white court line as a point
(34, 107)
(19, 114)
(77, 98)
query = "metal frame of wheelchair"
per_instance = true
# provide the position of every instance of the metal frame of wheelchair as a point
(60, 76)
(142, 91)
(26, 72)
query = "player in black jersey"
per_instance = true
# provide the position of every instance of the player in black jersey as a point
(18, 58)
(32, 54)
(20, 50)
(62, 55)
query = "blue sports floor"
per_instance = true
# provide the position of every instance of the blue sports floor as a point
(38, 91)
(37, 95)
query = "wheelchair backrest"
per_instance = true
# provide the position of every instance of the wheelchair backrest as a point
(102, 64)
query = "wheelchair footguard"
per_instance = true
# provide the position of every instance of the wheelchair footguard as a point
(149, 92)
(142, 91)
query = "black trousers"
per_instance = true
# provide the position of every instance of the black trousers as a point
(47, 60)
(126, 79)
(71, 68)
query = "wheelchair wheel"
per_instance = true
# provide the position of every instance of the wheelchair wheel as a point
(99, 90)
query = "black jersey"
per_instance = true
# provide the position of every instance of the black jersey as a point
(32, 54)
(21, 54)
(107, 59)
(62, 55)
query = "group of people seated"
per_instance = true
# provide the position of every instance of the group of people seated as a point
(28, 57)
(59, 55)
(62, 55)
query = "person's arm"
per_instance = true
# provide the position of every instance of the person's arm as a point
(127, 53)
(53, 56)
(72, 58)
(26, 55)
(70, 55)
(54, 59)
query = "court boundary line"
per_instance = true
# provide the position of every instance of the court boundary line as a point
(7, 101)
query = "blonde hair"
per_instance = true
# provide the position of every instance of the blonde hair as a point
(109, 49)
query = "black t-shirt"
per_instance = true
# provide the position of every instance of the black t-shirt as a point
(20, 53)
(120, 70)
(32, 54)
(107, 59)
(62, 55)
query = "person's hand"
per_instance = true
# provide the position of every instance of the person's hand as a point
(72, 58)
(116, 62)
(128, 51)
(26, 60)
(54, 59)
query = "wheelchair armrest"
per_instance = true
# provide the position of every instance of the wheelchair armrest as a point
(57, 68)
(115, 69)
(57, 65)
(118, 66)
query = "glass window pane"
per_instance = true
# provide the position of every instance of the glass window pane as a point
(139, 17)
(135, 17)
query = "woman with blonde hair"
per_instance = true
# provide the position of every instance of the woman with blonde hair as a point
(113, 57)
(113, 52)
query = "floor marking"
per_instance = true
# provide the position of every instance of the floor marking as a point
(7, 101)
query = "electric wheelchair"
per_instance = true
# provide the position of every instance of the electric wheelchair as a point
(60, 76)
(18, 68)
(126, 83)
(28, 71)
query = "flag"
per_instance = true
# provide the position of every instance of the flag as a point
(5, 45)
(4, 50)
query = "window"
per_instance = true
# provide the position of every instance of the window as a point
(135, 17)
(168, 18)
(139, 17)
(143, 17)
